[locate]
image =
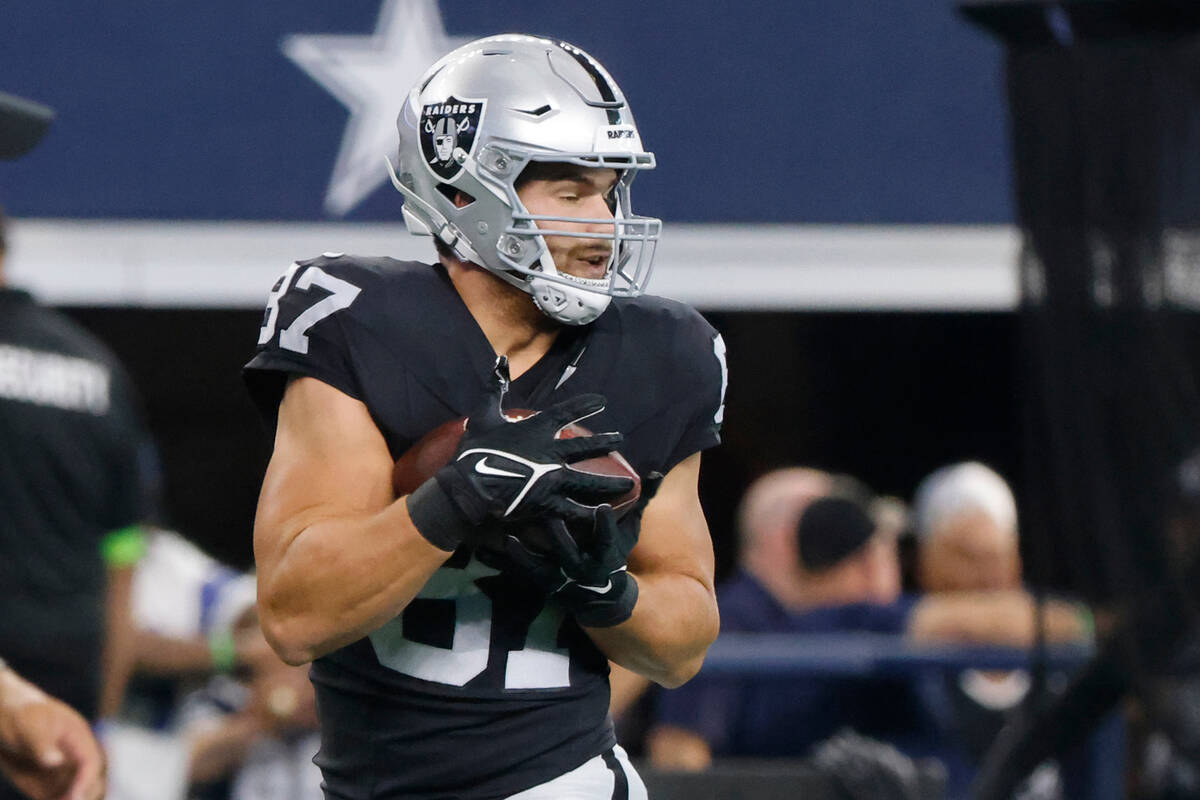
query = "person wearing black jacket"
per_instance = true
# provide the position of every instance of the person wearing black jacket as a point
(73, 453)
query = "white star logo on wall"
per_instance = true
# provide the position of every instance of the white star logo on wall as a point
(371, 75)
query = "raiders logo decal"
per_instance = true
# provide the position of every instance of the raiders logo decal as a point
(446, 126)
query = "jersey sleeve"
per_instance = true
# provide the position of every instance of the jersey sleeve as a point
(703, 380)
(304, 333)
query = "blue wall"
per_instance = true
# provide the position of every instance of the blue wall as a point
(850, 111)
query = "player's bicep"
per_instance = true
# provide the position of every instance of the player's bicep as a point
(329, 459)
(674, 536)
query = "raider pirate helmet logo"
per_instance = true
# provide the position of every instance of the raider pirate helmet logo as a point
(446, 126)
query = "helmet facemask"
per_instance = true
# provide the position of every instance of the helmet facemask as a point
(523, 250)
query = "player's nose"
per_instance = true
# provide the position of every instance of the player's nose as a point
(598, 210)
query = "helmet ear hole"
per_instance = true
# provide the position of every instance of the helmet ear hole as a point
(458, 197)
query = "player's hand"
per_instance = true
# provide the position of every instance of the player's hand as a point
(47, 749)
(587, 574)
(515, 469)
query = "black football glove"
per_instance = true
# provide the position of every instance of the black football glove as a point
(587, 574)
(514, 469)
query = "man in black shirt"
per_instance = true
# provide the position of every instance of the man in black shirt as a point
(71, 497)
(72, 452)
(456, 652)
(46, 747)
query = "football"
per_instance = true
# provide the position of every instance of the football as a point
(435, 449)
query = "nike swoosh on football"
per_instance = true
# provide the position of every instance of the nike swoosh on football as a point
(481, 466)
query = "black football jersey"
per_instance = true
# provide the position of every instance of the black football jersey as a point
(478, 689)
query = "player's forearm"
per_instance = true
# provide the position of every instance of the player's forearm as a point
(337, 579)
(673, 624)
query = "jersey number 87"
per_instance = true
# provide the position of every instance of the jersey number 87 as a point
(538, 665)
(295, 336)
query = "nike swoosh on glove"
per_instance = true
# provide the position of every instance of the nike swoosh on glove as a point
(514, 469)
(587, 575)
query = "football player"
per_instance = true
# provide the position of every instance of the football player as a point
(460, 635)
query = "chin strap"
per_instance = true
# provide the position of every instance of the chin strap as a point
(564, 303)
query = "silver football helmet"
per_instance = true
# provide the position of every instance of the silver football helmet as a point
(476, 119)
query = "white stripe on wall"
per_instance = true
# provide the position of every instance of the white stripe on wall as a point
(715, 267)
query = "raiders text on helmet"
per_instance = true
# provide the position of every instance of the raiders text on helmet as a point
(476, 119)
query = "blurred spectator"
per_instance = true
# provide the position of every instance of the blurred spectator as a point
(965, 523)
(813, 561)
(254, 740)
(810, 563)
(186, 608)
(966, 529)
(264, 750)
(969, 570)
(74, 478)
(211, 711)
(965, 520)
